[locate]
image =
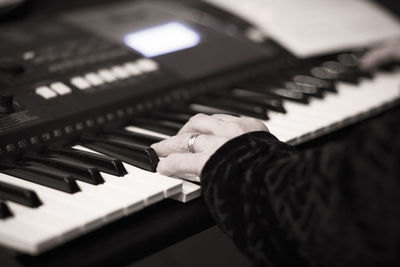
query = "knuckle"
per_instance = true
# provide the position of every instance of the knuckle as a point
(197, 117)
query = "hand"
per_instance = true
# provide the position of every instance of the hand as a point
(380, 55)
(213, 132)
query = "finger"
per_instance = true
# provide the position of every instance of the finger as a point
(225, 117)
(182, 164)
(180, 144)
(205, 124)
(174, 144)
(380, 56)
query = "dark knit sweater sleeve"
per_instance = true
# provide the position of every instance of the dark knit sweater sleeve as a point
(332, 206)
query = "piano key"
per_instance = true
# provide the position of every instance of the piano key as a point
(161, 126)
(173, 188)
(189, 192)
(124, 140)
(141, 181)
(4, 210)
(85, 213)
(169, 185)
(19, 195)
(271, 103)
(14, 233)
(261, 102)
(172, 115)
(79, 172)
(198, 108)
(100, 162)
(343, 73)
(313, 81)
(60, 225)
(39, 175)
(141, 138)
(137, 129)
(231, 105)
(130, 201)
(324, 73)
(65, 223)
(88, 210)
(280, 93)
(306, 89)
(354, 101)
(145, 158)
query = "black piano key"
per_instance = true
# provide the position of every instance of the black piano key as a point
(324, 85)
(267, 102)
(171, 115)
(140, 138)
(160, 126)
(306, 89)
(145, 158)
(4, 211)
(344, 73)
(187, 108)
(352, 61)
(41, 175)
(19, 195)
(126, 140)
(78, 171)
(232, 105)
(280, 93)
(324, 73)
(102, 163)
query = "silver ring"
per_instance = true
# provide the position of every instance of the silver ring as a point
(191, 141)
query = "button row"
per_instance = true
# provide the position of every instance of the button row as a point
(54, 89)
(118, 72)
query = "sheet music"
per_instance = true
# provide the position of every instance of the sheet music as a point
(312, 27)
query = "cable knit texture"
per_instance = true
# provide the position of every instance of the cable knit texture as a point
(336, 205)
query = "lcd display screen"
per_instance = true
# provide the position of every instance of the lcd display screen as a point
(162, 39)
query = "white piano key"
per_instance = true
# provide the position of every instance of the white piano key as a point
(87, 213)
(14, 233)
(169, 186)
(281, 133)
(127, 200)
(189, 192)
(151, 193)
(61, 225)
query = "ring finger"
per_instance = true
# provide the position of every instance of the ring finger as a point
(179, 144)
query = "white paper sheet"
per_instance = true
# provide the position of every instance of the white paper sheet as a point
(312, 27)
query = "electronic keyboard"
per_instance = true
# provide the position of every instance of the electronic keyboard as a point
(84, 97)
